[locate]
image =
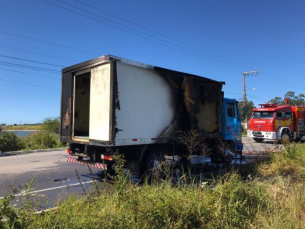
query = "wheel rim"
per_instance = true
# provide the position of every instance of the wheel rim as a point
(155, 167)
(285, 138)
(178, 177)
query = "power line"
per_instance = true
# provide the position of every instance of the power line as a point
(241, 95)
(261, 93)
(284, 84)
(29, 84)
(156, 32)
(49, 43)
(22, 50)
(29, 67)
(181, 42)
(83, 15)
(16, 58)
(118, 28)
(29, 74)
(138, 31)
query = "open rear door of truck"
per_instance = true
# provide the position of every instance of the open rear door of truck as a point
(100, 123)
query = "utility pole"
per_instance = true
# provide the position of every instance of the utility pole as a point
(244, 86)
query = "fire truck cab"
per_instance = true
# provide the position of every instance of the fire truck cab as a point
(274, 122)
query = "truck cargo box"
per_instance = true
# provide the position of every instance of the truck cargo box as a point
(114, 101)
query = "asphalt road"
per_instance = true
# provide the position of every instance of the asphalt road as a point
(252, 147)
(53, 177)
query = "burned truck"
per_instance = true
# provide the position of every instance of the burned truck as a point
(111, 104)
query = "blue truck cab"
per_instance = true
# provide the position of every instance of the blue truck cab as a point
(231, 127)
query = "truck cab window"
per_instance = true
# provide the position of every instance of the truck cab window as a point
(279, 115)
(230, 110)
(263, 114)
(288, 115)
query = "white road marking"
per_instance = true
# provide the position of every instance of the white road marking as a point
(46, 210)
(48, 189)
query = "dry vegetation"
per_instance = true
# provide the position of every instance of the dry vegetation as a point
(275, 198)
(23, 127)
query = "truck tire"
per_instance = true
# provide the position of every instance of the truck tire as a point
(222, 156)
(285, 138)
(153, 163)
(227, 159)
(178, 176)
(259, 140)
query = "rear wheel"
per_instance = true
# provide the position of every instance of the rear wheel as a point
(260, 140)
(153, 163)
(178, 177)
(224, 154)
(285, 138)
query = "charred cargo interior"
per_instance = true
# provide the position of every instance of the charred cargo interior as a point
(81, 105)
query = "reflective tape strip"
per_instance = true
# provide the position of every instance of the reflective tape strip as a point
(106, 157)
(91, 164)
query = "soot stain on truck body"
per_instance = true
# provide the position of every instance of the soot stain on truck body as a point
(197, 104)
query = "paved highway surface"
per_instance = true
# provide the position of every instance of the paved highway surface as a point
(54, 177)
(250, 146)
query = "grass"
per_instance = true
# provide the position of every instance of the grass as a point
(23, 127)
(275, 198)
(290, 161)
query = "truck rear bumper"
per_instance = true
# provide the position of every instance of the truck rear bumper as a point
(75, 160)
(262, 134)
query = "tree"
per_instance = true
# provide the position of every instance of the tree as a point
(277, 100)
(300, 99)
(293, 99)
(247, 111)
(51, 124)
(290, 95)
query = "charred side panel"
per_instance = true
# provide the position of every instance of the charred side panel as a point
(189, 101)
(181, 115)
(197, 104)
(66, 107)
(208, 113)
(116, 99)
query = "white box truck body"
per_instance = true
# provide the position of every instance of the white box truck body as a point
(110, 103)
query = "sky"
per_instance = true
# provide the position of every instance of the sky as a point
(216, 39)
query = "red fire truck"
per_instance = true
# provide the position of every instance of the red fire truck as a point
(274, 122)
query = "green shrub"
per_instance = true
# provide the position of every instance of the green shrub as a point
(10, 142)
(8, 214)
(41, 140)
(51, 124)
